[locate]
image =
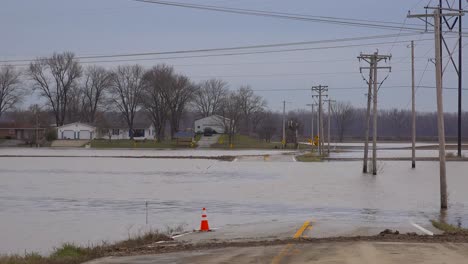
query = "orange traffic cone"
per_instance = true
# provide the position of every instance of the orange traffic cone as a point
(204, 227)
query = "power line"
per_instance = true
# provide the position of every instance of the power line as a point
(282, 15)
(275, 45)
(8, 62)
(420, 80)
(352, 88)
(282, 74)
(291, 16)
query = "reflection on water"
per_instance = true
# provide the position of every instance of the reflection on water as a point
(48, 201)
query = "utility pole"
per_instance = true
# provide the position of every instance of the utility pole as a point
(320, 90)
(283, 142)
(373, 60)
(413, 110)
(437, 16)
(369, 100)
(450, 22)
(329, 121)
(440, 111)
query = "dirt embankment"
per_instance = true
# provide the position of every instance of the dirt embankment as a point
(385, 236)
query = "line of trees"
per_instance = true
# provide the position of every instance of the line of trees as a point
(76, 93)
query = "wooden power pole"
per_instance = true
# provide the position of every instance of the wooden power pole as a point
(320, 90)
(369, 100)
(373, 60)
(437, 16)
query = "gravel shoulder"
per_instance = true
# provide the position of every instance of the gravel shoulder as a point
(384, 248)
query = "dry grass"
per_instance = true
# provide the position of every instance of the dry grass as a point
(310, 157)
(448, 228)
(73, 254)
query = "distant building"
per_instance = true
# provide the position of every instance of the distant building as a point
(76, 130)
(215, 122)
(113, 127)
(82, 131)
(140, 132)
(21, 131)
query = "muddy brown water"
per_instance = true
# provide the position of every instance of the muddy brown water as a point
(47, 201)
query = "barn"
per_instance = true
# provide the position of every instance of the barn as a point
(76, 130)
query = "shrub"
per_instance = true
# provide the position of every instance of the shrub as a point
(51, 135)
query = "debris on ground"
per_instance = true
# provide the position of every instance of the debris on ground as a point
(389, 232)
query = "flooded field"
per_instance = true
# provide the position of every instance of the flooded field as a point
(48, 201)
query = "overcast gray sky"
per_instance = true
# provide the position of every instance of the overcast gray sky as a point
(31, 28)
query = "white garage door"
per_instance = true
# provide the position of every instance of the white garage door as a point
(68, 134)
(85, 134)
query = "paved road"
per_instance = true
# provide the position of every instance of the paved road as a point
(206, 142)
(333, 252)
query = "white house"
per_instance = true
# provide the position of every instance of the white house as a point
(115, 133)
(215, 122)
(76, 130)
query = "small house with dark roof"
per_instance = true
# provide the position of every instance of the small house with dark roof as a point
(113, 127)
(21, 131)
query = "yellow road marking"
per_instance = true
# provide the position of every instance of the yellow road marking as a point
(301, 230)
(286, 250)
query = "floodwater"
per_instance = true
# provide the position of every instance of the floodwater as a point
(48, 201)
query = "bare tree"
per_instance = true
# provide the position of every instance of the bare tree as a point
(344, 115)
(232, 114)
(75, 105)
(249, 103)
(256, 119)
(55, 77)
(177, 96)
(208, 96)
(399, 120)
(157, 80)
(126, 92)
(266, 128)
(10, 91)
(96, 82)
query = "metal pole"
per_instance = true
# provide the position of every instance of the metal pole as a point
(284, 125)
(329, 123)
(460, 77)
(413, 109)
(374, 138)
(369, 99)
(312, 127)
(440, 110)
